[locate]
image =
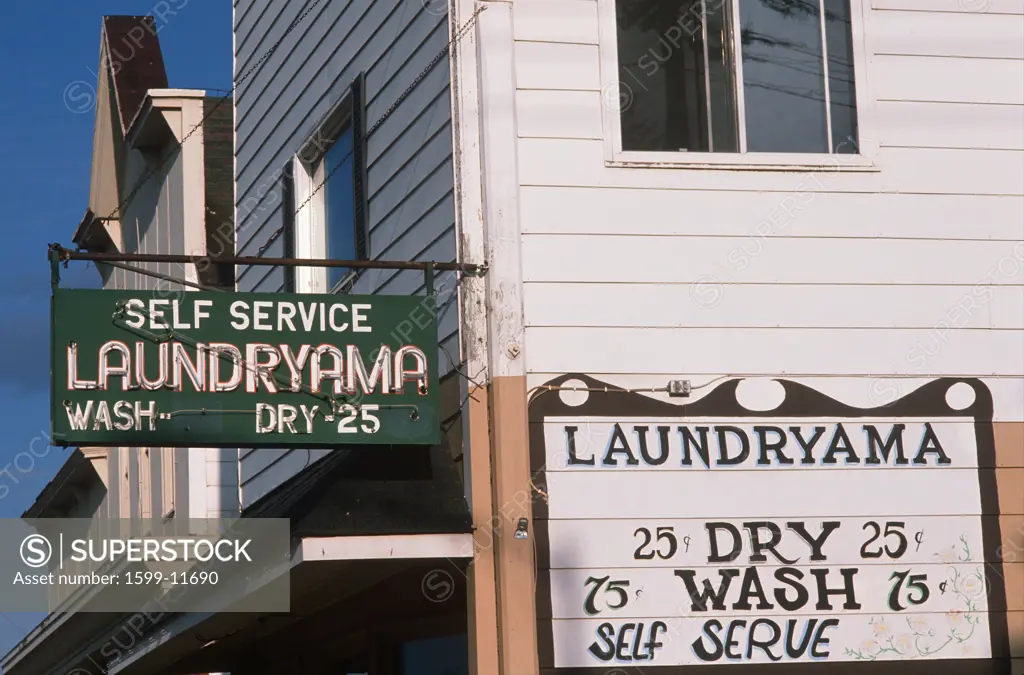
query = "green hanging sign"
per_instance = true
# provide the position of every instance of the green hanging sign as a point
(205, 369)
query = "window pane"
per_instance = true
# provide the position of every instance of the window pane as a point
(721, 70)
(339, 205)
(436, 656)
(842, 93)
(669, 92)
(783, 77)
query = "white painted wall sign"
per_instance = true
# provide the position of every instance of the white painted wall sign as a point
(709, 533)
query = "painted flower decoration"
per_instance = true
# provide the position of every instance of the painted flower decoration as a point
(971, 585)
(947, 555)
(919, 624)
(882, 629)
(955, 617)
(869, 646)
(903, 643)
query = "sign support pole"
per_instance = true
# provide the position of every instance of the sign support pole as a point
(428, 278)
(54, 256)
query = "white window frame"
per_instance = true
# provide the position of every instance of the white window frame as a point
(615, 156)
(167, 481)
(145, 478)
(311, 217)
(310, 223)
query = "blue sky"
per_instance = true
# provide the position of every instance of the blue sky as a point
(50, 54)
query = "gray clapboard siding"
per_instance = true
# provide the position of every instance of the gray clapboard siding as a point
(153, 222)
(410, 177)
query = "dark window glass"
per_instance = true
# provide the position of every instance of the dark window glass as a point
(675, 76)
(783, 76)
(678, 68)
(842, 92)
(721, 77)
(436, 656)
(339, 204)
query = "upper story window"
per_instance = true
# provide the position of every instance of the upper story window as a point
(737, 76)
(329, 191)
(340, 204)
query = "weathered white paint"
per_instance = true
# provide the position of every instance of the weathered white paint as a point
(471, 246)
(501, 212)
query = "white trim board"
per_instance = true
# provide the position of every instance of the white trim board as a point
(404, 546)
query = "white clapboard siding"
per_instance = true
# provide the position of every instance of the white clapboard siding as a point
(774, 351)
(544, 113)
(948, 125)
(544, 65)
(972, 34)
(654, 495)
(573, 21)
(773, 305)
(957, 6)
(666, 595)
(862, 392)
(558, 114)
(573, 541)
(589, 210)
(932, 170)
(953, 80)
(857, 634)
(897, 77)
(630, 258)
(579, 163)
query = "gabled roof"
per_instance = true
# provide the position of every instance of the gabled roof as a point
(130, 64)
(136, 63)
(77, 471)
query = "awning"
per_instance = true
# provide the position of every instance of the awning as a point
(385, 519)
(326, 572)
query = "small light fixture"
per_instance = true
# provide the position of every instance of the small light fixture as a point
(521, 529)
(678, 388)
